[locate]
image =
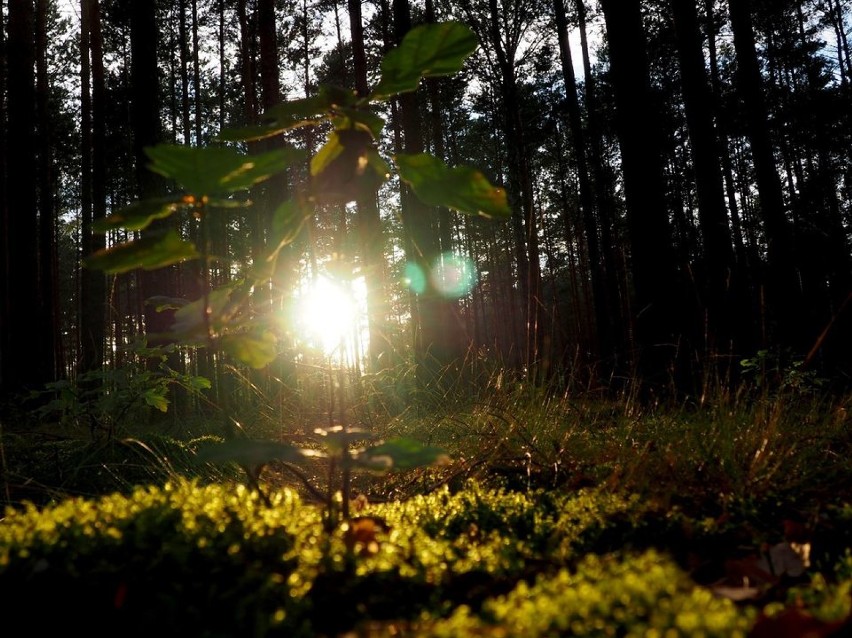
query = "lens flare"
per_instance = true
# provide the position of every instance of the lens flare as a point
(453, 276)
(450, 275)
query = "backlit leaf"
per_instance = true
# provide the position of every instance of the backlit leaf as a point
(427, 50)
(462, 188)
(138, 215)
(401, 454)
(147, 253)
(255, 350)
(248, 452)
(207, 171)
(155, 398)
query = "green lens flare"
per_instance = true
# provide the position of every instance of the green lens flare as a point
(453, 276)
(415, 278)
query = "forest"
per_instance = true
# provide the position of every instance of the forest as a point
(678, 178)
(512, 292)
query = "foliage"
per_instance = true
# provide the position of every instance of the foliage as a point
(346, 167)
(103, 400)
(474, 562)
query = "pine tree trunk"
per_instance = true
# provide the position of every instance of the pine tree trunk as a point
(369, 223)
(783, 292)
(717, 253)
(93, 282)
(435, 342)
(657, 312)
(50, 343)
(21, 369)
(604, 329)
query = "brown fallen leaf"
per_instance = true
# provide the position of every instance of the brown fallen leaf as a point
(797, 623)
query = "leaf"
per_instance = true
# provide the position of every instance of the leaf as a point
(462, 188)
(346, 167)
(147, 253)
(209, 171)
(427, 50)
(360, 119)
(138, 215)
(248, 452)
(337, 437)
(254, 349)
(162, 302)
(401, 454)
(308, 111)
(199, 383)
(249, 133)
(156, 399)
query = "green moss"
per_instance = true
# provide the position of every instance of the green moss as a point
(216, 560)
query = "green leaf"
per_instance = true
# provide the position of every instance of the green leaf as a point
(286, 116)
(401, 454)
(346, 167)
(337, 437)
(138, 215)
(248, 452)
(199, 383)
(427, 50)
(210, 171)
(163, 302)
(462, 188)
(254, 349)
(360, 119)
(249, 133)
(307, 111)
(156, 399)
(147, 253)
(324, 157)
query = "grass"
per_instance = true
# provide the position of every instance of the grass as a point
(560, 513)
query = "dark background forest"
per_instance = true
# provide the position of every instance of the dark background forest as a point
(679, 173)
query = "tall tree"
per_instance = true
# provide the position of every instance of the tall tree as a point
(92, 184)
(783, 290)
(656, 307)
(717, 248)
(435, 343)
(602, 314)
(50, 355)
(145, 115)
(371, 237)
(21, 370)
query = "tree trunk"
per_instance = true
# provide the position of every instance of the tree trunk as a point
(21, 368)
(93, 185)
(369, 223)
(50, 343)
(604, 329)
(783, 292)
(435, 342)
(718, 257)
(657, 316)
(526, 226)
(145, 117)
(605, 205)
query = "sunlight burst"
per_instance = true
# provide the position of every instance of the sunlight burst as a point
(331, 317)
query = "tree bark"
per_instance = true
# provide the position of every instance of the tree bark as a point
(50, 343)
(657, 312)
(369, 223)
(783, 291)
(604, 329)
(717, 253)
(435, 342)
(21, 369)
(93, 185)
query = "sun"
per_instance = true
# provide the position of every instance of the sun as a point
(329, 315)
